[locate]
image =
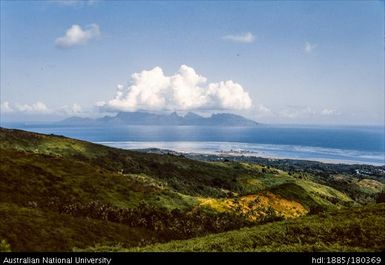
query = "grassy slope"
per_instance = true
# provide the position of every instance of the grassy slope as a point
(356, 229)
(29, 229)
(39, 171)
(58, 168)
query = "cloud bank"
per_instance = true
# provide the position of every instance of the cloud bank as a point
(38, 107)
(76, 36)
(5, 107)
(246, 37)
(329, 112)
(292, 112)
(185, 90)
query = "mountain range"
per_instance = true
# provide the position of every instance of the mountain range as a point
(147, 118)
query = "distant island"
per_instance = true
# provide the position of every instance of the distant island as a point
(147, 118)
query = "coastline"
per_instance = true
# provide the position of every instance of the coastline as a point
(262, 151)
(361, 145)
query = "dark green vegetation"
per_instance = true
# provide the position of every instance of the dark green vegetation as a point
(62, 194)
(350, 178)
(357, 229)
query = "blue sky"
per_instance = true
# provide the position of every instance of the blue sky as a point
(288, 61)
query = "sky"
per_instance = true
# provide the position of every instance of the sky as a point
(299, 62)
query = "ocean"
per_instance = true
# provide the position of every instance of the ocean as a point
(336, 144)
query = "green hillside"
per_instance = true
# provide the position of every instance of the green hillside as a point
(52, 187)
(357, 229)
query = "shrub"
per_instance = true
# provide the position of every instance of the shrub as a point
(4, 246)
(381, 197)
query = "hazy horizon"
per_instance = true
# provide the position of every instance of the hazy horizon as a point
(51, 120)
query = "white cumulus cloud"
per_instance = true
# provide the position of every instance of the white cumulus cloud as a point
(41, 108)
(185, 90)
(73, 109)
(309, 47)
(329, 112)
(38, 107)
(262, 109)
(5, 107)
(292, 112)
(76, 36)
(246, 37)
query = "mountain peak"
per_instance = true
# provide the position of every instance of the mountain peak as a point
(173, 119)
(192, 115)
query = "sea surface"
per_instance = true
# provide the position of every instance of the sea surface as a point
(336, 144)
